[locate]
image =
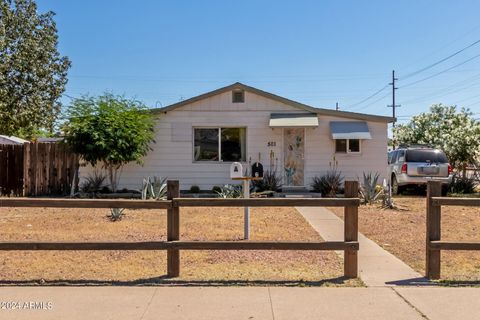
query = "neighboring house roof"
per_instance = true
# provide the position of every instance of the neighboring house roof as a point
(49, 140)
(14, 139)
(238, 85)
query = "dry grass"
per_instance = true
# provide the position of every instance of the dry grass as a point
(402, 232)
(131, 267)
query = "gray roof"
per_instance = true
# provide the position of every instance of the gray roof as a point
(238, 85)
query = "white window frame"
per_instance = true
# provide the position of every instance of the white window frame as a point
(348, 147)
(219, 128)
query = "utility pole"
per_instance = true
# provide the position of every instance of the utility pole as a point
(336, 106)
(393, 106)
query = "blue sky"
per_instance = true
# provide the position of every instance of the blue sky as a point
(315, 52)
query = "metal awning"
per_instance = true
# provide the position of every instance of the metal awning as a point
(349, 130)
(289, 120)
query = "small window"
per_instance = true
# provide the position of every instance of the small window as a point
(347, 146)
(341, 146)
(353, 145)
(238, 96)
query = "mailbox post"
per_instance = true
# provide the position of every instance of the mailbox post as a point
(236, 173)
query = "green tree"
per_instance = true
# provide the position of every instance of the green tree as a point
(457, 133)
(33, 74)
(111, 130)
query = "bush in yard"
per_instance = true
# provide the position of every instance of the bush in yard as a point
(110, 130)
(463, 184)
(94, 183)
(329, 184)
(194, 189)
(271, 181)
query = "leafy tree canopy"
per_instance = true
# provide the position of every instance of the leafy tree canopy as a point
(109, 129)
(457, 133)
(33, 74)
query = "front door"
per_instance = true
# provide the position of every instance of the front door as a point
(294, 156)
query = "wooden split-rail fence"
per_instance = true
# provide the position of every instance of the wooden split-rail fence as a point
(174, 244)
(434, 243)
(36, 169)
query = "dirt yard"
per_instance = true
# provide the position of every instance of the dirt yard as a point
(131, 267)
(402, 232)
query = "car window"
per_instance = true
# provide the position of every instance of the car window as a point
(401, 156)
(394, 156)
(433, 156)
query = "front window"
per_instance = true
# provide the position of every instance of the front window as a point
(220, 144)
(347, 146)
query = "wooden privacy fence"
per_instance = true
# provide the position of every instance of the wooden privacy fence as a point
(11, 169)
(173, 244)
(433, 236)
(36, 169)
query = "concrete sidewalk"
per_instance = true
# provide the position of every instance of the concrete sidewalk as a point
(242, 303)
(377, 267)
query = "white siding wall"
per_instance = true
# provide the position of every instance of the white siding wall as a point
(172, 156)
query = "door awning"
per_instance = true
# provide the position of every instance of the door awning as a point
(349, 130)
(289, 120)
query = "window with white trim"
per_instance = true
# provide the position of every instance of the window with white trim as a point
(219, 144)
(347, 146)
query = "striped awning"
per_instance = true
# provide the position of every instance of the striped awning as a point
(349, 130)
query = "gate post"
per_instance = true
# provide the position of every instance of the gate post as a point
(351, 231)
(432, 267)
(173, 229)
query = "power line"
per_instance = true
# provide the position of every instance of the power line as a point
(440, 61)
(370, 96)
(440, 72)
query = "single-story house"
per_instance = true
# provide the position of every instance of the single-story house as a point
(12, 140)
(197, 140)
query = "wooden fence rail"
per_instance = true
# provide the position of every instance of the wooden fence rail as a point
(173, 245)
(434, 244)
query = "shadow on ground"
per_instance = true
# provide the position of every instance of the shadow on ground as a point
(419, 282)
(168, 281)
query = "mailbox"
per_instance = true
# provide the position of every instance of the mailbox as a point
(257, 170)
(236, 170)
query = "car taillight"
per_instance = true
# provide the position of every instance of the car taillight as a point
(450, 169)
(404, 168)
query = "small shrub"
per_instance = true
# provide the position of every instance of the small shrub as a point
(216, 189)
(194, 189)
(230, 191)
(329, 184)
(463, 184)
(94, 183)
(271, 182)
(370, 190)
(154, 188)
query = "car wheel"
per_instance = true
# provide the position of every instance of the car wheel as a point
(395, 187)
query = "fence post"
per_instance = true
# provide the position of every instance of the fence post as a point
(351, 231)
(173, 229)
(432, 268)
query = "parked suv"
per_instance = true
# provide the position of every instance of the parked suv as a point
(416, 165)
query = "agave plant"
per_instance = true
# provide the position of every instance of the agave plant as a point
(116, 214)
(154, 188)
(230, 191)
(369, 190)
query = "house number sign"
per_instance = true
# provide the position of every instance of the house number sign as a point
(271, 144)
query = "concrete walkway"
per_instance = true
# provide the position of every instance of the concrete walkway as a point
(241, 303)
(377, 267)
